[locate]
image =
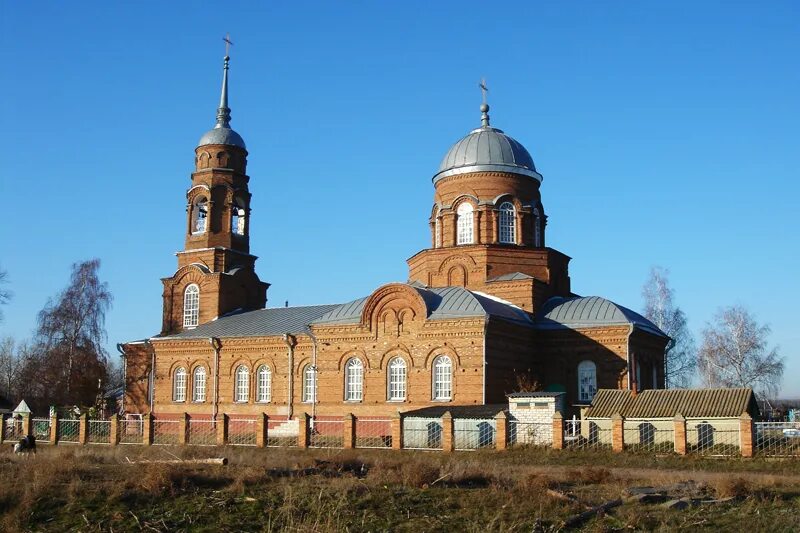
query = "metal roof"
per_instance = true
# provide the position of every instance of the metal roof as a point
(458, 411)
(666, 403)
(590, 311)
(538, 394)
(513, 276)
(260, 323)
(219, 135)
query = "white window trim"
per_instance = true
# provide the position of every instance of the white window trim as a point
(403, 383)
(191, 313)
(436, 382)
(267, 384)
(507, 224)
(200, 370)
(237, 386)
(465, 227)
(587, 369)
(354, 380)
(179, 389)
(309, 382)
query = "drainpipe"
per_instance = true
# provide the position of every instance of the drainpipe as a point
(215, 345)
(316, 374)
(630, 361)
(485, 364)
(124, 374)
(290, 343)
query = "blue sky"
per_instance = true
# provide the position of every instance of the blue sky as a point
(666, 133)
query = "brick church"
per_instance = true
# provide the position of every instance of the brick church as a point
(487, 309)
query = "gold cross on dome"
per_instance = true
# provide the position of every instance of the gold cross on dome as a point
(228, 43)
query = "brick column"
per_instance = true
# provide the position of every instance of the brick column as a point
(501, 435)
(617, 432)
(54, 430)
(305, 430)
(397, 432)
(746, 433)
(27, 425)
(680, 434)
(558, 431)
(447, 432)
(262, 424)
(147, 429)
(2, 429)
(222, 429)
(83, 429)
(114, 438)
(349, 428)
(183, 430)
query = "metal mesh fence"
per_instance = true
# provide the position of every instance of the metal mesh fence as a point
(242, 431)
(586, 435)
(474, 433)
(282, 432)
(166, 431)
(202, 432)
(99, 431)
(326, 434)
(421, 433)
(715, 437)
(12, 428)
(649, 436)
(530, 433)
(777, 439)
(68, 430)
(41, 429)
(373, 433)
(131, 431)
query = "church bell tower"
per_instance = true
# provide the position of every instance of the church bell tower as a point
(216, 272)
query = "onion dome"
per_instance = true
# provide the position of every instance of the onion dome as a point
(487, 149)
(222, 132)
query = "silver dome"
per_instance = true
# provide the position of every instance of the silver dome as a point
(487, 149)
(222, 135)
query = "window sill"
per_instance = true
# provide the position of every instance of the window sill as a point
(404, 400)
(442, 400)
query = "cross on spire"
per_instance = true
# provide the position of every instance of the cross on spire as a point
(484, 89)
(484, 105)
(228, 43)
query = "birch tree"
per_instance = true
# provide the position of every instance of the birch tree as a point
(5, 294)
(735, 353)
(680, 358)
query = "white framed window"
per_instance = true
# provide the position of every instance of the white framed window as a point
(354, 380)
(191, 306)
(309, 384)
(263, 384)
(587, 381)
(397, 380)
(465, 234)
(238, 217)
(507, 223)
(199, 385)
(442, 378)
(200, 216)
(179, 385)
(242, 384)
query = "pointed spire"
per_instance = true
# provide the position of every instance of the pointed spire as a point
(223, 111)
(484, 105)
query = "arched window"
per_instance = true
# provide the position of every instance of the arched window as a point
(397, 380)
(242, 384)
(587, 381)
(238, 216)
(200, 215)
(437, 230)
(537, 228)
(263, 384)
(179, 385)
(191, 306)
(442, 378)
(309, 384)
(354, 380)
(507, 223)
(199, 385)
(464, 224)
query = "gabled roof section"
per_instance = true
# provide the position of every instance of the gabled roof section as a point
(590, 311)
(666, 403)
(513, 276)
(259, 323)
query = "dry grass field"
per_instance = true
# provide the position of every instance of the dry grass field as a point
(94, 488)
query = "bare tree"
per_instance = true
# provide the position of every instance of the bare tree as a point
(680, 359)
(5, 294)
(735, 353)
(10, 368)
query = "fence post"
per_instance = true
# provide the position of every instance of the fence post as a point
(617, 432)
(147, 429)
(262, 423)
(447, 432)
(2, 428)
(746, 435)
(83, 429)
(27, 425)
(183, 430)
(397, 432)
(222, 429)
(558, 431)
(680, 434)
(501, 430)
(54, 430)
(305, 430)
(349, 428)
(114, 430)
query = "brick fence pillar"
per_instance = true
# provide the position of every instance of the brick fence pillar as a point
(183, 430)
(147, 429)
(558, 431)
(114, 437)
(680, 434)
(397, 432)
(53, 430)
(83, 429)
(305, 430)
(501, 425)
(447, 432)
(222, 429)
(27, 425)
(349, 428)
(617, 432)
(262, 424)
(746, 444)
